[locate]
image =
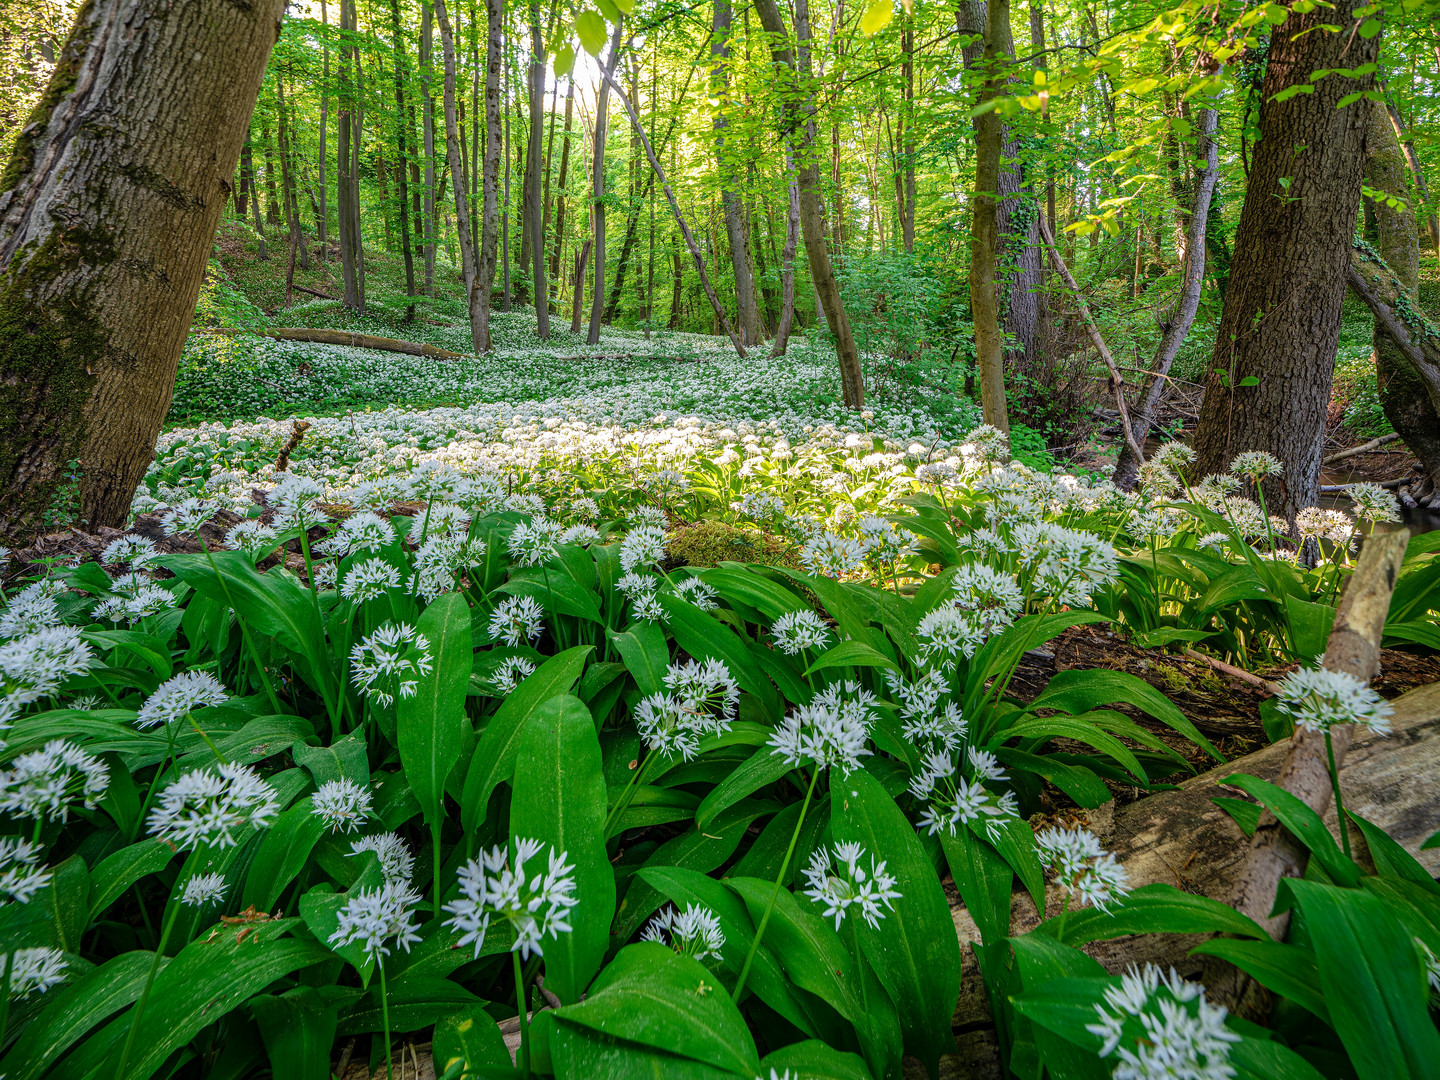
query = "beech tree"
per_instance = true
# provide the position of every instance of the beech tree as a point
(108, 207)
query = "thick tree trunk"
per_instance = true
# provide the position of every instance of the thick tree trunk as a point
(347, 164)
(477, 298)
(1417, 173)
(247, 179)
(537, 216)
(339, 337)
(1274, 353)
(787, 267)
(263, 254)
(490, 171)
(578, 279)
(322, 218)
(985, 241)
(747, 316)
(105, 232)
(1403, 393)
(794, 69)
(1192, 280)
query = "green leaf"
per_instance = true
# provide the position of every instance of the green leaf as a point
(1373, 980)
(592, 30)
(813, 1060)
(430, 723)
(851, 654)
(471, 1037)
(66, 902)
(755, 772)
(564, 60)
(1077, 691)
(320, 908)
(494, 758)
(646, 653)
(706, 638)
(650, 995)
(747, 587)
(343, 759)
(915, 951)
(146, 648)
(283, 852)
(1076, 781)
(117, 872)
(298, 1028)
(1155, 909)
(559, 799)
(1287, 970)
(1303, 822)
(1392, 860)
(984, 879)
(1245, 814)
(1266, 1059)
(580, 1053)
(415, 1001)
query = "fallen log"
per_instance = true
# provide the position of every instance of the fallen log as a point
(1363, 448)
(337, 337)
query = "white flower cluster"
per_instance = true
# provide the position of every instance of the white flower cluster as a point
(208, 807)
(1086, 871)
(397, 863)
(32, 609)
(517, 620)
(796, 631)
(830, 732)
(699, 700)
(343, 805)
(842, 882)
(179, 696)
(1318, 699)
(1159, 1026)
(43, 784)
(371, 917)
(694, 932)
(955, 801)
(497, 885)
(34, 971)
(928, 718)
(389, 662)
(36, 665)
(21, 874)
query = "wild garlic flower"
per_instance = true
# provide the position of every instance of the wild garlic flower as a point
(643, 547)
(510, 673)
(445, 519)
(1173, 456)
(832, 555)
(533, 542)
(187, 517)
(1255, 465)
(523, 503)
(148, 600)
(30, 611)
(1216, 540)
(38, 664)
(439, 559)
(397, 864)
(992, 596)
(985, 445)
(1212, 491)
(21, 874)
(933, 725)
(34, 971)
(985, 543)
(1084, 869)
(1156, 479)
(585, 508)
(517, 620)
(694, 932)
(252, 537)
(1324, 524)
(135, 551)
(1065, 564)
(884, 544)
(535, 902)
(843, 882)
(954, 801)
(365, 531)
(296, 500)
(204, 889)
(580, 536)
(946, 634)
(796, 631)
(369, 580)
(372, 917)
(1159, 1026)
(763, 509)
(632, 585)
(44, 783)
(207, 807)
(832, 731)
(1319, 699)
(701, 700)
(698, 593)
(647, 608)
(1373, 503)
(390, 661)
(179, 696)
(343, 805)
(649, 517)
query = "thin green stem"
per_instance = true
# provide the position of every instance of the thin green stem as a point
(385, 1013)
(208, 741)
(5, 994)
(139, 1011)
(626, 796)
(775, 892)
(522, 1005)
(1339, 803)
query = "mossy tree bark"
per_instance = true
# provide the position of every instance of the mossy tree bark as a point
(108, 208)
(1274, 357)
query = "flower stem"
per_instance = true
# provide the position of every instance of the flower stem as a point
(139, 1011)
(5, 994)
(213, 748)
(627, 796)
(524, 1020)
(1335, 784)
(385, 1013)
(775, 892)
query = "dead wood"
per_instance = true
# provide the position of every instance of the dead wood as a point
(339, 337)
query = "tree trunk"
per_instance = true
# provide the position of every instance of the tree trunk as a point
(1408, 405)
(505, 211)
(984, 223)
(287, 182)
(403, 163)
(787, 267)
(578, 280)
(477, 309)
(800, 131)
(427, 120)
(247, 179)
(1274, 356)
(322, 221)
(597, 189)
(347, 164)
(490, 172)
(560, 184)
(1417, 173)
(105, 232)
(272, 197)
(906, 136)
(537, 215)
(676, 282)
(263, 254)
(746, 314)
(549, 169)
(1192, 280)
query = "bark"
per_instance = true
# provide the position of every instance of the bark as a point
(272, 196)
(906, 137)
(339, 337)
(578, 280)
(403, 164)
(560, 186)
(1408, 406)
(787, 267)
(747, 314)
(1417, 173)
(322, 220)
(676, 281)
(985, 243)
(537, 217)
(597, 189)
(105, 233)
(347, 164)
(263, 254)
(705, 284)
(427, 119)
(287, 184)
(505, 213)
(1274, 356)
(477, 297)
(549, 170)
(799, 131)
(1192, 281)
(490, 169)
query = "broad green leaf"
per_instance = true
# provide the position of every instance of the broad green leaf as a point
(851, 654)
(320, 909)
(582, 1053)
(1266, 1059)
(1078, 691)
(747, 587)
(564, 60)
(650, 995)
(283, 852)
(415, 1001)
(1080, 783)
(494, 758)
(646, 654)
(117, 872)
(1287, 970)
(430, 722)
(877, 16)
(470, 1037)
(708, 639)
(298, 1027)
(914, 951)
(591, 28)
(813, 1060)
(1155, 909)
(984, 879)
(560, 594)
(1392, 860)
(343, 759)
(146, 648)
(66, 903)
(758, 770)
(560, 799)
(1305, 823)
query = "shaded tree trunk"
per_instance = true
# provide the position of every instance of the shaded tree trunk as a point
(490, 172)
(537, 216)
(597, 189)
(747, 315)
(985, 241)
(347, 164)
(578, 281)
(427, 120)
(1274, 355)
(560, 185)
(787, 267)
(287, 181)
(322, 220)
(105, 232)
(403, 164)
(247, 179)
(1417, 173)
(476, 304)
(906, 137)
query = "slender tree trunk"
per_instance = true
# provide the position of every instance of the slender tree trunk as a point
(1408, 404)
(794, 71)
(263, 254)
(490, 173)
(322, 221)
(787, 265)
(1417, 173)
(537, 214)
(403, 164)
(549, 170)
(676, 283)
(505, 213)
(907, 136)
(479, 328)
(984, 223)
(748, 316)
(273, 212)
(1274, 353)
(247, 179)
(287, 180)
(347, 164)
(597, 189)
(560, 183)
(427, 119)
(105, 232)
(1192, 280)
(578, 281)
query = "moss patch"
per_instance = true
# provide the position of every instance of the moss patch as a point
(709, 543)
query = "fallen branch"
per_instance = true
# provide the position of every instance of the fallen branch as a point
(1338, 489)
(337, 337)
(1364, 448)
(1247, 677)
(314, 292)
(1117, 381)
(297, 432)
